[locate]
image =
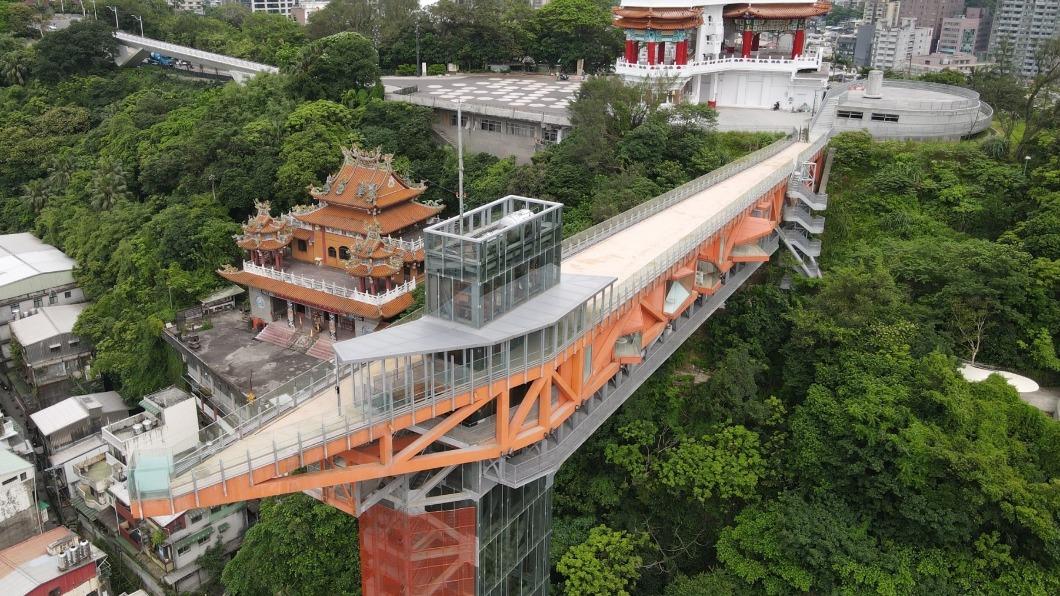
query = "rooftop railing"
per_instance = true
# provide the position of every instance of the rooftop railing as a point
(812, 60)
(328, 287)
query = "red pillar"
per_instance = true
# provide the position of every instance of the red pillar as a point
(797, 42)
(748, 41)
(652, 53)
(631, 49)
(681, 53)
(662, 52)
(754, 44)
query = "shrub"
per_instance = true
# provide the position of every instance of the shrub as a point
(436, 69)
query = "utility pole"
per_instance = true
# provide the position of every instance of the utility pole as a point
(418, 73)
(141, 21)
(213, 191)
(115, 10)
(94, 15)
(460, 160)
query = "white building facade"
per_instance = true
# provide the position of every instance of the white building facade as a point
(723, 54)
(893, 48)
(1023, 25)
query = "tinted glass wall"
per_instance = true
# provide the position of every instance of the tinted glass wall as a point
(514, 530)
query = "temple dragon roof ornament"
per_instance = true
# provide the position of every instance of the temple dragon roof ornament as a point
(264, 232)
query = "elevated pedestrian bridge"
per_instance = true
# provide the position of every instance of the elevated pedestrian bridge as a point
(133, 50)
(529, 343)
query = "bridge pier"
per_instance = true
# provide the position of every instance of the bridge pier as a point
(130, 55)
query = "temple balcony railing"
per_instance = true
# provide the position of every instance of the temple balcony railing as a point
(724, 63)
(330, 288)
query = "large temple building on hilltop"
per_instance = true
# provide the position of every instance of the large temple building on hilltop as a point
(724, 54)
(343, 266)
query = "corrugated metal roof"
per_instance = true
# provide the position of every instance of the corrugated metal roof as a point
(74, 409)
(23, 256)
(431, 334)
(50, 321)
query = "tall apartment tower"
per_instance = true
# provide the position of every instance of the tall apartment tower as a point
(883, 13)
(893, 48)
(930, 13)
(1024, 25)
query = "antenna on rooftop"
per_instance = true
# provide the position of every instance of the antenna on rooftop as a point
(460, 161)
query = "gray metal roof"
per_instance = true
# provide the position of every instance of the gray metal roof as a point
(431, 334)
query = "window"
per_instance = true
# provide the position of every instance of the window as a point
(53, 298)
(490, 125)
(66, 295)
(302, 246)
(203, 539)
(73, 342)
(849, 114)
(452, 119)
(38, 302)
(551, 135)
(194, 517)
(518, 130)
(344, 252)
(22, 476)
(10, 480)
(884, 117)
(183, 549)
(331, 251)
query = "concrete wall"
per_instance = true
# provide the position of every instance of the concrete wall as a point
(761, 90)
(503, 137)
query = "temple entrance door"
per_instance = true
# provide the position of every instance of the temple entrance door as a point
(279, 309)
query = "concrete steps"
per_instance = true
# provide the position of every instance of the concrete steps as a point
(277, 332)
(321, 349)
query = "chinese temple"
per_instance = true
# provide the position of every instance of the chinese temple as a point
(344, 266)
(739, 54)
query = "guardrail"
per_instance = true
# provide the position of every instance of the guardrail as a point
(175, 50)
(586, 238)
(718, 64)
(330, 288)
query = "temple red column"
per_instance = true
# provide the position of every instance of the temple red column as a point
(662, 52)
(631, 51)
(652, 53)
(798, 40)
(681, 52)
(748, 41)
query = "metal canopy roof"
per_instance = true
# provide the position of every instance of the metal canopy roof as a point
(431, 334)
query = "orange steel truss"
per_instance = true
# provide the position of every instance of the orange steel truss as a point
(556, 387)
(427, 553)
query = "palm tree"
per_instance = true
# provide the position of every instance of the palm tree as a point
(35, 193)
(14, 66)
(108, 186)
(60, 168)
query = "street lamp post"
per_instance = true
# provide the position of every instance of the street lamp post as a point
(141, 21)
(1026, 160)
(115, 10)
(94, 15)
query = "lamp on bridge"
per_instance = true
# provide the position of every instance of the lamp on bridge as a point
(115, 11)
(141, 21)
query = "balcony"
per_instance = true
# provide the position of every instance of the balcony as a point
(329, 287)
(721, 64)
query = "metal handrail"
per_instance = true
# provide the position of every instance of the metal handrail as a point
(328, 287)
(605, 229)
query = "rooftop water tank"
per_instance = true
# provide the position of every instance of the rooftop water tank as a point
(874, 86)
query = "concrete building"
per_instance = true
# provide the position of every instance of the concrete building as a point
(168, 546)
(306, 8)
(938, 62)
(55, 562)
(53, 358)
(284, 7)
(13, 437)
(32, 275)
(19, 517)
(1023, 25)
(967, 34)
(881, 12)
(70, 431)
(930, 14)
(894, 47)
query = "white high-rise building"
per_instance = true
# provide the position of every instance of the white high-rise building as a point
(893, 48)
(283, 7)
(1024, 25)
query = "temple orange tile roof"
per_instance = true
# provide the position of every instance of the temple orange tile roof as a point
(264, 232)
(658, 19)
(391, 220)
(776, 11)
(317, 298)
(366, 181)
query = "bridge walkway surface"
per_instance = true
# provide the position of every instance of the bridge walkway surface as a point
(625, 283)
(134, 49)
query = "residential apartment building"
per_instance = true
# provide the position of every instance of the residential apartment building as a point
(881, 12)
(53, 563)
(306, 8)
(1023, 25)
(893, 48)
(19, 518)
(284, 7)
(32, 275)
(930, 14)
(938, 61)
(165, 547)
(52, 357)
(968, 33)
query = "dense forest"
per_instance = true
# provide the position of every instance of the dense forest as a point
(812, 437)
